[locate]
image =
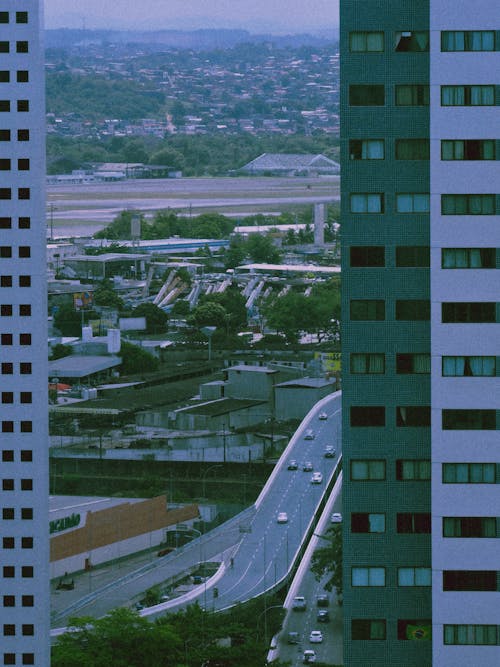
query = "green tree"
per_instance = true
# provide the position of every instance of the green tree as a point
(236, 253)
(286, 315)
(168, 157)
(262, 249)
(69, 321)
(327, 560)
(105, 296)
(233, 302)
(156, 318)
(208, 314)
(136, 360)
(180, 308)
(59, 351)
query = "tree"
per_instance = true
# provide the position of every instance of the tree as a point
(169, 157)
(233, 302)
(59, 351)
(156, 318)
(136, 360)
(261, 249)
(105, 296)
(180, 308)
(286, 315)
(327, 560)
(208, 314)
(68, 320)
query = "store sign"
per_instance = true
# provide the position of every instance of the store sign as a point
(66, 522)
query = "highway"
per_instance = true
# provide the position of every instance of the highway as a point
(261, 549)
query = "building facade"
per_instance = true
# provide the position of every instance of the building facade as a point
(25, 601)
(420, 212)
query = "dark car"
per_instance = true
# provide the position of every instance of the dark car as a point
(322, 600)
(292, 464)
(293, 638)
(323, 616)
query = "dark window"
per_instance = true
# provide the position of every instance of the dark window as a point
(25, 309)
(21, 17)
(465, 312)
(7, 397)
(6, 339)
(26, 455)
(5, 223)
(364, 522)
(4, 47)
(24, 251)
(26, 485)
(415, 629)
(25, 339)
(5, 193)
(367, 363)
(413, 310)
(23, 105)
(27, 572)
(371, 415)
(28, 600)
(413, 470)
(23, 135)
(412, 95)
(4, 106)
(6, 310)
(413, 415)
(412, 40)
(5, 164)
(464, 204)
(22, 76)
(9, 658)
(469, 526)
(413, 363)
(366, 149)
(26, 427)
(28, 629)
(412, 149)
(8, 543)
(23, 164)
(8, 514)
(9, 629)
(365, 256)
(4, 17)
(4, 135)
(28, 658)
(7, 427)
(468, 149)
(22, 47)
(4, 76)
(367, 629)
(9, 600)
(367, 309)
(25, 368)
(7, 368)
(7, 455)
(9, 571)
(27, 513)
(8, 485)
(469, 420)
(5, 251)
(26, 543)
(470, 580)
(24, 223)
(26, 397)
(23, 193)
(366, 95)
(24, 281)
(417, 522)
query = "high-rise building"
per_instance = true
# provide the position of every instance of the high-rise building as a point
(24, 596)
(420, 142)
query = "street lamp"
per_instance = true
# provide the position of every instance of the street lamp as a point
(209, 332)
(203, 477)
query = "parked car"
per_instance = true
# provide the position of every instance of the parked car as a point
(309, 656)
(293, 637)
(292, 464)
(323, 616)
(336, 517)
(309, 434)
(307, 467)
(282, 517)
(316, 478)
(299, 603)
(323, 600)
(323, 415)
(316, 637)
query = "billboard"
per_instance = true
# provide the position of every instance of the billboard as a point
(83, 300)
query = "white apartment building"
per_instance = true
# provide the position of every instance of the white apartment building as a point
(24, 597)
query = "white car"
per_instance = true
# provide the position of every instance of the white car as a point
(309, 656)
(282, 517)
(336, 517)
(309, 435)
(316, 637)
(322, 415)
(316, 478)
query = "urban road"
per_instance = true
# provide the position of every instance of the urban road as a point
(253, 550)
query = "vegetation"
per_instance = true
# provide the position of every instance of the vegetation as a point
(136, 360)
(156, 318)
(327, 560)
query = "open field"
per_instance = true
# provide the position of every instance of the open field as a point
(77, 210)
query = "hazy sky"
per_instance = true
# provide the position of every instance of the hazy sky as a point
(253, 15)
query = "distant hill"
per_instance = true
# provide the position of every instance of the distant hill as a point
(182, 39)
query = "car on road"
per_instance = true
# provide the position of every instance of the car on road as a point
(282, 517)
(307, 466)
(299, 603)
(309, 434)
(323, 616)
(322, 600)
(309, 656)
(330, 452)
(322, 415)
(293, 465)
(336, 517)
(316, 637)
(293, 637)
(316, 478)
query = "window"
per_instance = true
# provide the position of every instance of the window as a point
(7, 426)
(9, 658)
(414, 576)
(26, 455)
(4, 17)
(28, 658)
(469, 366)
(412, 95)
(367, 416)
(413, 363)
(476, 635)
(24, 223)
(26, 426)
(22, 47)
(26, 543)
(469, 473)
(470, 580)
(5, 164)
(9, 571)
(25, 397)
(4, 76)
(468, 96)
(23, 164)
(367, 256)
(9, 629)
(468, 204)
(413, 415)
(28, 600)
(368, 576)
(367, 309)
(7, 397)
(28, 629)
(23, 193)
(467, 40)
(7, 455)
(25, 309)
(367, 203)
(8, 514)
(413, 256)
(8, 543)
(412, 149)
(26, 485)
(21, 17)
(27, 513)
(4, 47)
(413, 310)
(4, 135)
(412, 40)
(416, 522)
(464, 312)
(415, 629)
(23, 135)
(468, 258)
(366, 42)
(366, 149)
(414, 470)
(468, 149)
(6, 339)
(5, 251)
(23, 105)
(363, 522)
(9, 601)
(5, 193)
(368, 469)
(24, 281)
(22, 76)
(368, 363)
(7, 485)
(27, 571)
(25, 339)
(412, 203)
(367, 628)
(366, 95)
(25, 368)
(469, 420)
(469, 526)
